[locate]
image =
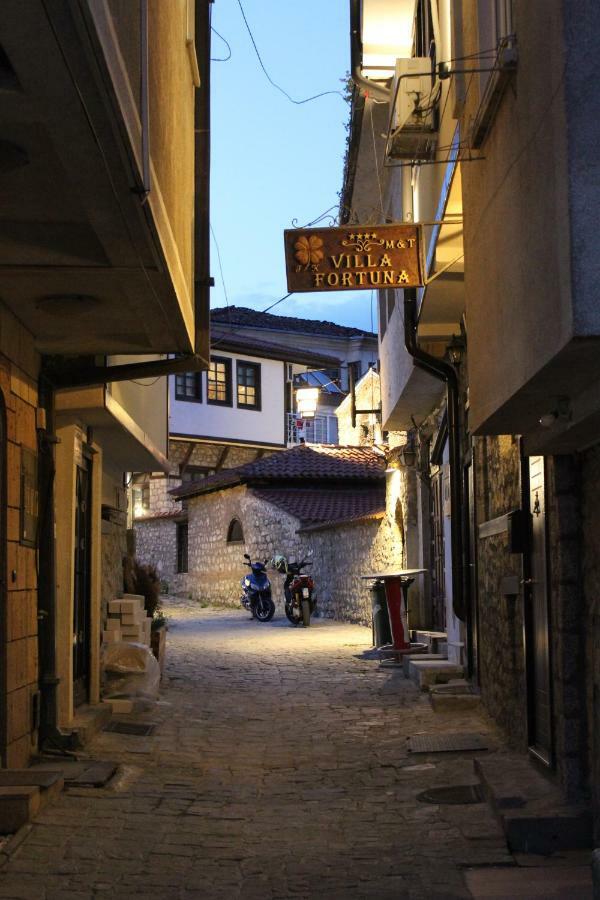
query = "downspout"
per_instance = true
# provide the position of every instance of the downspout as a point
(46, 712)
(369, 87)
(446, 373)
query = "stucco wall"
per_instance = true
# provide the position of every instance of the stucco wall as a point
(261, 426)
(516, 217)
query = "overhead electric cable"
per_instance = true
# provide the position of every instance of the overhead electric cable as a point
(268, 77)
(221, 58)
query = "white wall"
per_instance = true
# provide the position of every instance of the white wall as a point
(264, 426)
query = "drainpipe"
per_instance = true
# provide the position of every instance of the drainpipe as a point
(446, 373)
(369, 87)
(46, 707)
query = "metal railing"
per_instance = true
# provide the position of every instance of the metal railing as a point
(316, 430)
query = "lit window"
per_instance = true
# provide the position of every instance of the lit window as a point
(188, 386)
(235, 532)
(248, 385)
(219, 381)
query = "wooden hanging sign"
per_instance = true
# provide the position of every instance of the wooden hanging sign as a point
(354, 258)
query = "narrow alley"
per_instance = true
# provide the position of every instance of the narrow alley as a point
(278, 767)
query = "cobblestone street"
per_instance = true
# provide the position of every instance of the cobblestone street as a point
(278, 768)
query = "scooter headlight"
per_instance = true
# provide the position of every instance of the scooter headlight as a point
(247, 582)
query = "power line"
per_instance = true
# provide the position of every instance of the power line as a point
(268, 77)
(221, 58)
(214, 237)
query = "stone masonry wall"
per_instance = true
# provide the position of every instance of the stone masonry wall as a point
(500, 647)
(339, 554)
(113, 549)
(156, 545)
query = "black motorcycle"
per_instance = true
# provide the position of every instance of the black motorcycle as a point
(298, 590)
(256, 591)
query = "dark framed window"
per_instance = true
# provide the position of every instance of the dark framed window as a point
(248, 385)
(235, 532)
(195, 473)
(188, 386)
(219, 381)
(182, 546)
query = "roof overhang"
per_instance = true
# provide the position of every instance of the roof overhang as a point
(124, 442)
(89, 263)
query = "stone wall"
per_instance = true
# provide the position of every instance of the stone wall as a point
(156, 545)
(113, 549)
(501, 659)
(339, 554)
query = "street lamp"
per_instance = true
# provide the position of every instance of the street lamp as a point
(306, 402)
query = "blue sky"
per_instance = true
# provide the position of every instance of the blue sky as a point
(273, 161)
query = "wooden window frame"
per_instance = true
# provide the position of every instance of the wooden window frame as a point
(226, 361)
(242, 363)
(186, 398)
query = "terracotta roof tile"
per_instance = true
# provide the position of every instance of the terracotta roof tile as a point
(305, 463)
(315, 507)
(253, 318)
(239, 341)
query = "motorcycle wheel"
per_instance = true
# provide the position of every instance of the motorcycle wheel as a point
(306, 613)
(264, 609)
(292, 617)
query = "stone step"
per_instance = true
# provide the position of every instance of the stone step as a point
(89, 721)
(18, 805)
(424, 657)
(457, 695)
(424, 672)
(531, 808)
(433, 639)
(23, 793)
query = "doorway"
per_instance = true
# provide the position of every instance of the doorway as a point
(438, 551)
(81, 589)
(537, 614)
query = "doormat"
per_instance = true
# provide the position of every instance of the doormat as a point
(139, 728)
(457, 795)
(445, 743)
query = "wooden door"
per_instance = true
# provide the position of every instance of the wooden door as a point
(537, 619)
(3, 584)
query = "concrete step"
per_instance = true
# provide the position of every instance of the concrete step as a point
(457, 695)
(531, 808)
(433, 639)
(23, 793)
(424, 657)
(89, 720)
(424, 672)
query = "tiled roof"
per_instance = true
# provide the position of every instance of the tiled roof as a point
(315, 507)
(253, 318)
(238, 341)
(305, 463)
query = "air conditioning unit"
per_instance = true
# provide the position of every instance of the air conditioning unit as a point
(414, 120)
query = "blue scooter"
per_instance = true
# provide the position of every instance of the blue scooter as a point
(256, 591)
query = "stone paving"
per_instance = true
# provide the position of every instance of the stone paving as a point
(278, 769)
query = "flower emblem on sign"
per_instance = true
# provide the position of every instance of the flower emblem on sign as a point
(309, 252)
